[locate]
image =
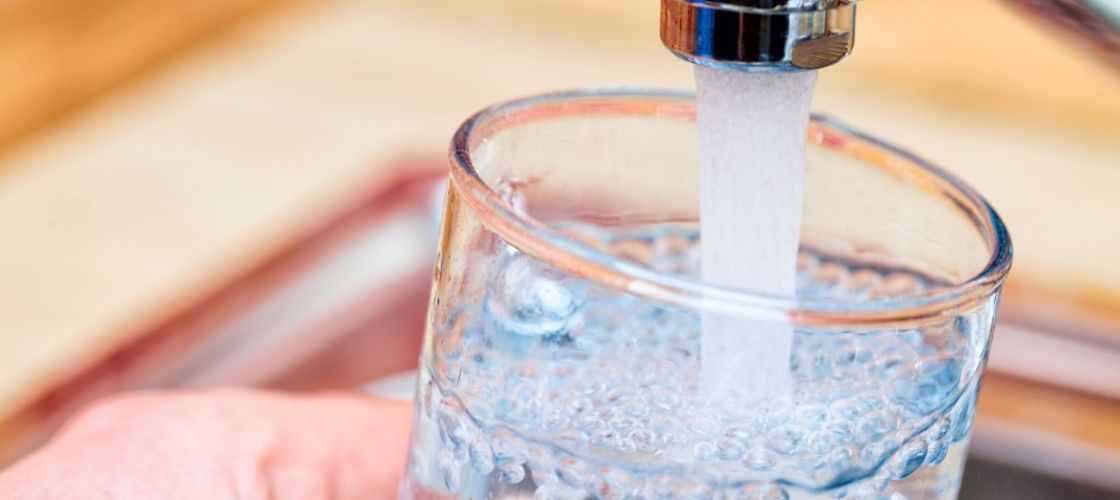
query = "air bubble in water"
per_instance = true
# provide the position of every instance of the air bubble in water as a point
(482, 458)
(835, 465)
(729, 450)
(878, 424)
(962, 417)
(611, 485)
(938, 438)
(531, 299)
(827, 439)
(573, 472)
(704, 450)
(785, 439)
(908, 458)
(642, 439)
(553, 489)
(692, 491)
(765, 492)
(928, 388)
(759, 459)
(937, 452)
(449, 468)
(512, 472)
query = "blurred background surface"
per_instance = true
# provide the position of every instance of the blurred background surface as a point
(240, 191)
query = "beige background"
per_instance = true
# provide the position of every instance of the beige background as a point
(147, 201)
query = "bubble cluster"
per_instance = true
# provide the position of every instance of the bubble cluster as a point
(530, 299)
(564, 389)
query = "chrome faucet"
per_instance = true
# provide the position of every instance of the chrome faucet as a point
(791, 35)
(759, 35)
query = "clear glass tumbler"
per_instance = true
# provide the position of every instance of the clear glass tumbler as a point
(564, 354)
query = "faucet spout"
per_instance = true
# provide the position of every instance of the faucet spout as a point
(759, 35)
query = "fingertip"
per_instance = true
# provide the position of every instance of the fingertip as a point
(365, 438)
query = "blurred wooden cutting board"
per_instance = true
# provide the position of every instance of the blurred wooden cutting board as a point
(127, 212)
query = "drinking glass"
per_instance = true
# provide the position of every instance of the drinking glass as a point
(564, 355)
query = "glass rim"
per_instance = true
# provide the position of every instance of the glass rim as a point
(536, 238)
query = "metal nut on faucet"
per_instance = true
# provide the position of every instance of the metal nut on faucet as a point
(759, 35)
